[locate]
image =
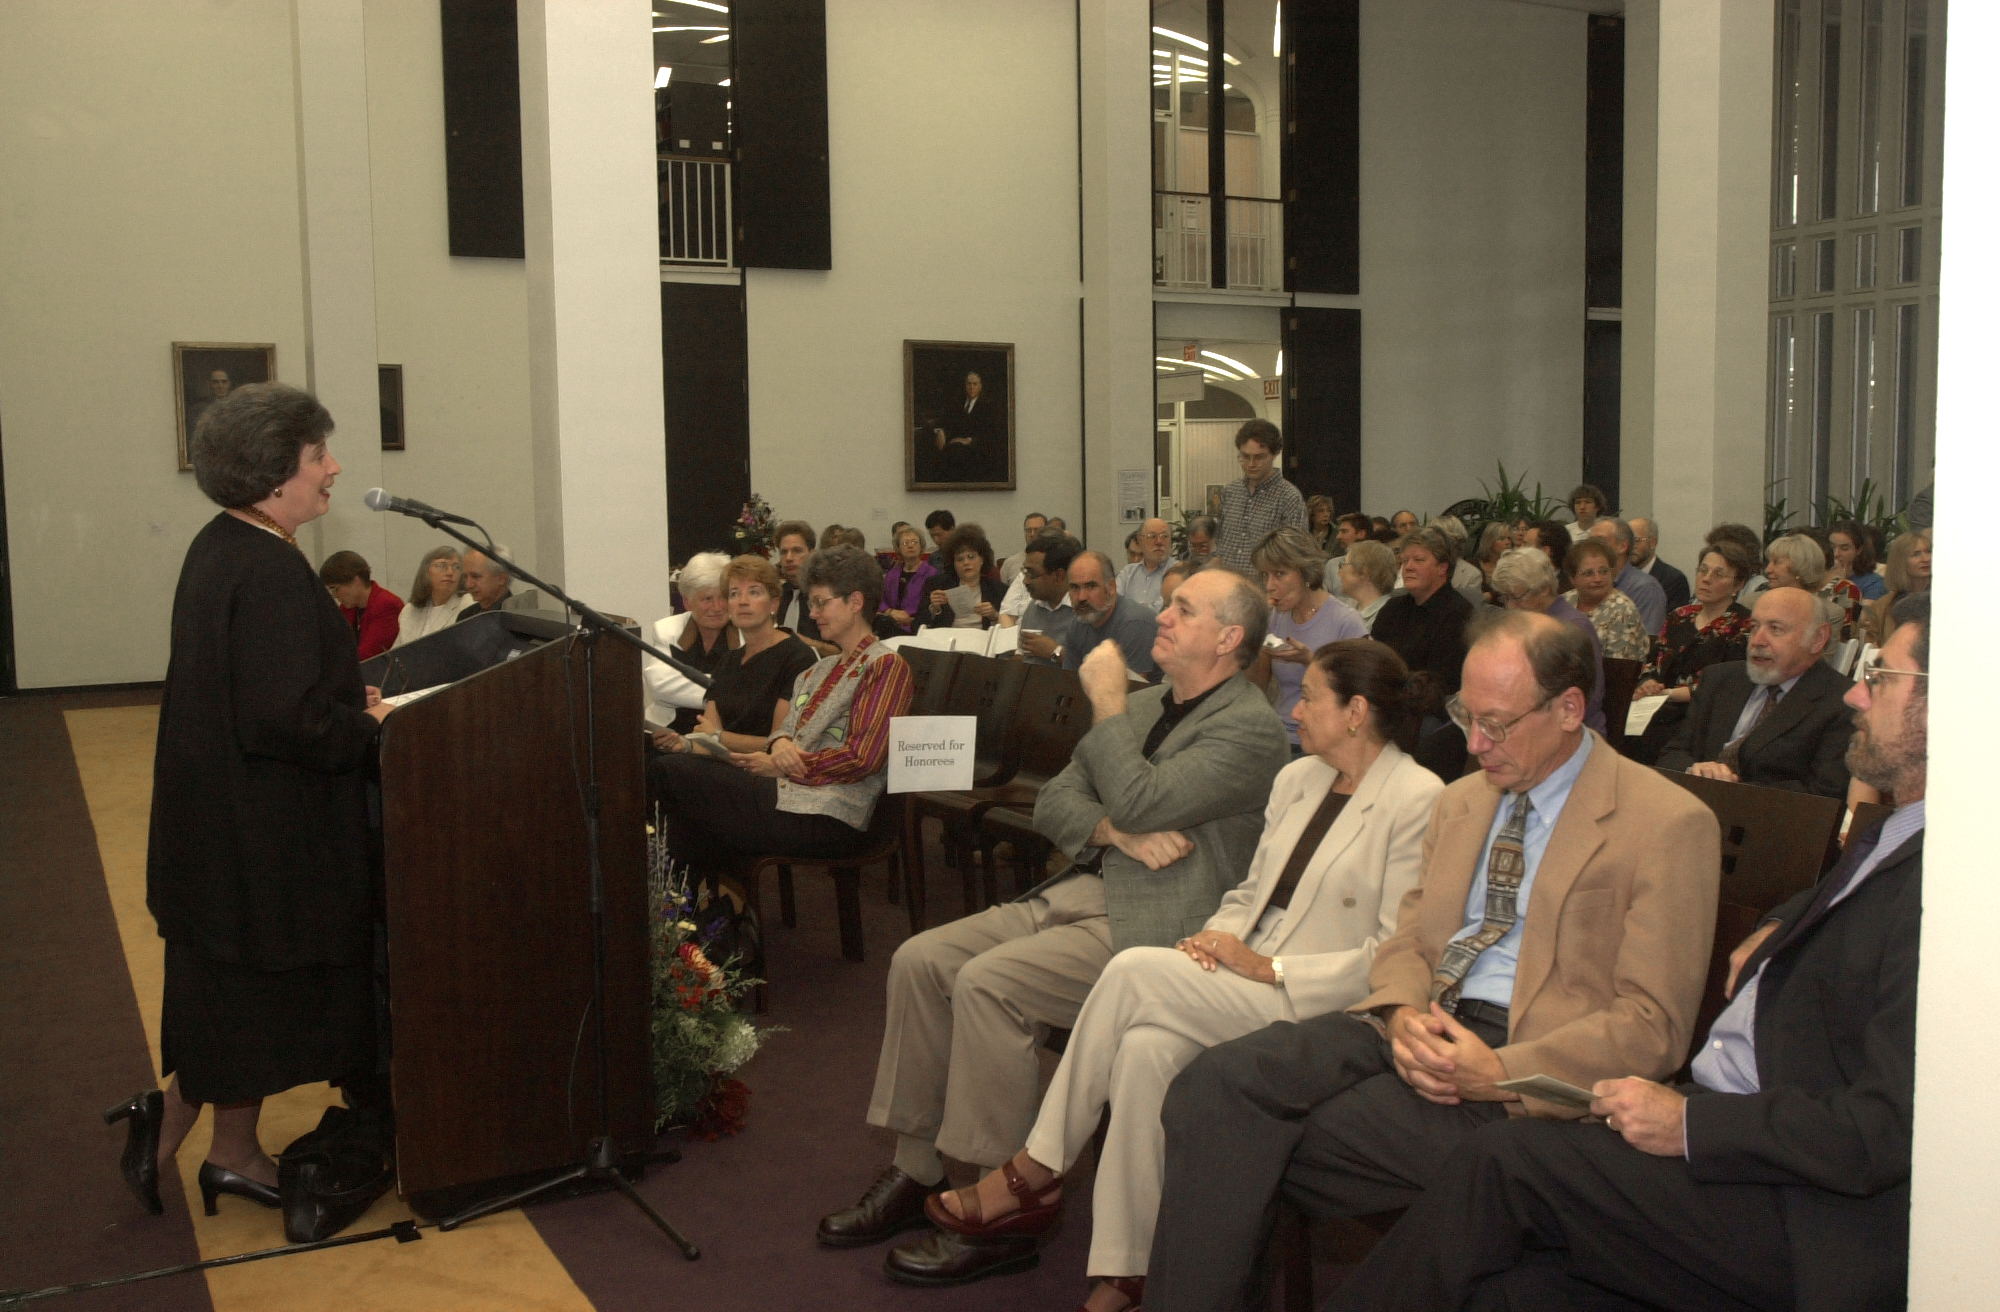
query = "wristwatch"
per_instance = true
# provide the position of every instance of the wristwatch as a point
(1278, 969)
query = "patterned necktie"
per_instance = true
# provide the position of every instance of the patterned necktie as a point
(1732, 751)
(1506, 864)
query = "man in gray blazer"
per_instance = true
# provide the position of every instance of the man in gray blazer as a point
(1161, 809)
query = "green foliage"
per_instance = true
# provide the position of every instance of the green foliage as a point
(1511, 501)
(1869, 506)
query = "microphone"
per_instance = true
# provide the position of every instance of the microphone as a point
(377, 499)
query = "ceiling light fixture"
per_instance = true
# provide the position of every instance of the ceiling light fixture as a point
(725, 81)
(1237, 365)
(690, 29)
(661, 78)
(1277, 29)
(1185, 39)
(1280, 370)
(698, 4)
(709, 41)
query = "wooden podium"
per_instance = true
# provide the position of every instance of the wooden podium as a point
(494, 1068)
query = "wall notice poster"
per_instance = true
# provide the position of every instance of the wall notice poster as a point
(1135, 496)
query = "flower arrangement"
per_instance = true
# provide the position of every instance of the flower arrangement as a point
(752, 531)
(700, 1038)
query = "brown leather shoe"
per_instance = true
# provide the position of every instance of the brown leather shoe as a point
(942, 1258)
(893, 1204)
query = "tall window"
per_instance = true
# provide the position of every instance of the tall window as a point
(1857, 117)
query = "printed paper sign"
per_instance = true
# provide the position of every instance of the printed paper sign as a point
(931, 752)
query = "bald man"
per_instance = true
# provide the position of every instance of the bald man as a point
(1775, 719)
(1140, 581)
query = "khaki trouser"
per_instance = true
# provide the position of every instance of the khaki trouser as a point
(969, 1002)
(1153, 1011)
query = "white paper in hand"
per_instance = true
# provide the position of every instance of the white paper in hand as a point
(1549, 1089)
(931, 752)
(1642, 712)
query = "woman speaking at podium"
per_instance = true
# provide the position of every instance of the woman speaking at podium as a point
(258, 866)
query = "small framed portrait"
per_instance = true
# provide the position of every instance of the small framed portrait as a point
(390, 379)
(958, 416)
(205, 372)
(1212, 503)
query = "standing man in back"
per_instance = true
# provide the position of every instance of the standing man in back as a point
(1258, 502)
(1646, 557)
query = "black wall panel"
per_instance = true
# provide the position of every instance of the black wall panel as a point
(1322, 147)
(783, 209)
(707, 359)
(1323, 404)
(1601, 381)
(482, 127)
(1604, 164)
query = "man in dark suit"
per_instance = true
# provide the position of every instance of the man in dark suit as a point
(969, 438)
(1645, 556)
(1775, 719)
(795, 541)
(1778, 1178)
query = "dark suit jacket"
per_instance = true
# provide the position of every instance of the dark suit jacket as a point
(1802, 745)
(808, 627)
(1672, 582)
(1836, 1070)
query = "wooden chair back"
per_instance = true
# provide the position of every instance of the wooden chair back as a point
(932, 674)
(1620, 678)
(1050, 719)
(988, 690)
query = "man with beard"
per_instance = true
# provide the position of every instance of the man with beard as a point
(1775, 719)
(1101, 615)
(1780, 1176)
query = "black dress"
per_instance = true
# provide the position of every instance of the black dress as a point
(706, 659)
(259, 867)
(746, 693)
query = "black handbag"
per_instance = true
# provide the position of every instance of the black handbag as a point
(329, 1177)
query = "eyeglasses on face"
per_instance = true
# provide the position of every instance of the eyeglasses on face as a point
(1496, 732)
(1872, 673)
(817, 604)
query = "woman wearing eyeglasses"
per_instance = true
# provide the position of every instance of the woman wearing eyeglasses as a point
(1713, 627)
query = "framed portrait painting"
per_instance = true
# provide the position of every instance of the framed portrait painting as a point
(958, 416)
(205, 372)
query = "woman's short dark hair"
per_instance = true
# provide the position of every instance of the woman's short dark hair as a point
(1864, 544)
(1363, 667)
(1734, 556)
(247, 445)
(969, 537)
(795, 528)
(344, 567)
(1586, 547)
(1743, 536)
(420, 591)
(845, 570)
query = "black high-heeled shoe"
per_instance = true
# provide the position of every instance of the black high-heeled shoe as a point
(141, 1162)
(215, 1180)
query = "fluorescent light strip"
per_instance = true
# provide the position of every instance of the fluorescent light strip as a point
(698, 4)
(712, 40)
(725, 81)
(1237, 365)
(1185, 39)
(690, 29)
(661, 78)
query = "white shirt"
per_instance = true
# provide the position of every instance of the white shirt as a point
(422, 621)
(1016, 601)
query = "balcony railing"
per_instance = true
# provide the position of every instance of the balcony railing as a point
(695, 219)
(1182, 247)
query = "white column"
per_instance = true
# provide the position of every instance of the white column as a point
(1954, 1209)
(337, 257)
(588, 182)
(1115, 40)
(1713, 107)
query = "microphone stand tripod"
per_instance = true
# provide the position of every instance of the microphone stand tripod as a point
(600, 1163)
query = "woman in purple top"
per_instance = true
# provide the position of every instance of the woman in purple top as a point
(1304, 617)
(1524, 579)
(906, 586)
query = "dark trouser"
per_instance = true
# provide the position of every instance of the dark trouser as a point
(1558, 1215)
(717, 812)
(1315, 1109)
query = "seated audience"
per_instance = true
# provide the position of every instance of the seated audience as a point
(752, 689)
(939, 524)
(1854, 558)
(1775, 718)
(1523, 533)
(487, 582)
(1351, 528)
(1426, 622)
(1140, 580)
(435, 599)
(1303, 616)
(1779, 1176)
(1383, 531)
(1132, 551)
(371, 610)
(795, 541)
(1561, 927)
(1177, 573)
(1031, 528)
(1201, 531)
(1646, 556)
(1159, 809)
(971, 557)
(1466, 576)
(854, 537)
(1593, 566)
(1367, 577)
(701, 636)
(1555, 542)
(1753, 547)
(1319, 523)
(1711, 629)
(1495, 540)
(1046, 619)
(1342, 846)
(1797, 560)
(1099, 614)
(1646, 593)
(1404, 522)
(907, 585)
(1586, 503)
(813, 790)
(1524, 580)
(1909, 572)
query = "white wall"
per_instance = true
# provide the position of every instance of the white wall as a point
(144, 207)
(953, 149)
(1472, 155)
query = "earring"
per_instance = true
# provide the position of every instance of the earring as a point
(1350, 731)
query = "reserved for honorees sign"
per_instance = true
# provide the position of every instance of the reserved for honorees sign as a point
(931, 752)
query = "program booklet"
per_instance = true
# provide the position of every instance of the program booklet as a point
(1549, 1089)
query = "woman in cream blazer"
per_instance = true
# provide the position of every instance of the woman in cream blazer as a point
(1254, 962)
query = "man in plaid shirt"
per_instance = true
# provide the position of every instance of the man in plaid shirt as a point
(1264, 500)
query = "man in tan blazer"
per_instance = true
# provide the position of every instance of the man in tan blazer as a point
(1562, 928)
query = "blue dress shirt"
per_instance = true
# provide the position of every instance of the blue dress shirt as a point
(1491, 978)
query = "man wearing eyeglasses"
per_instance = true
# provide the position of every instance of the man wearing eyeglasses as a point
(1779, 1177)
(1776, 718)
(1258, 502)
(1562, 928)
